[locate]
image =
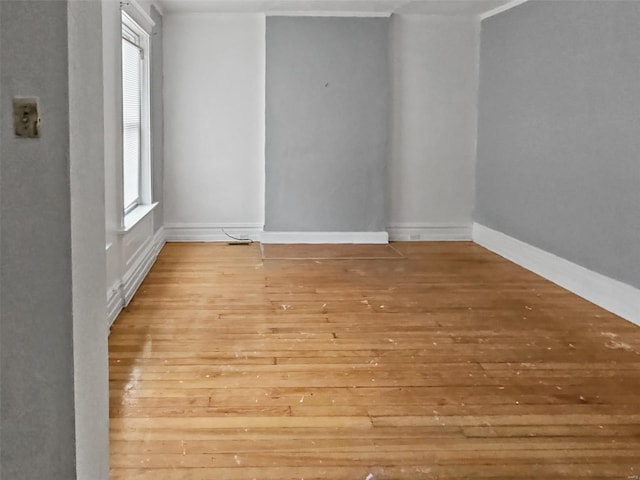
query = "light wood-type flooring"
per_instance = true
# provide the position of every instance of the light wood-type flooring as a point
(444, 362)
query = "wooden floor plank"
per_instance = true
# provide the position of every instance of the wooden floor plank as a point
(440, 361)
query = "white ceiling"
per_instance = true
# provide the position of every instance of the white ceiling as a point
(432, 7)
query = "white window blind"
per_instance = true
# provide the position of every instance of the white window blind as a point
(131, 119)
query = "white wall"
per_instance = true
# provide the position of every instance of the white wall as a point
(434, 86)
(129, 254)
(112, 73)
(147, 4)
(214, 124)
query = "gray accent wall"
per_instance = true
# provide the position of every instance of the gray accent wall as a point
(157, 119)
(559, 131)
(327, 114)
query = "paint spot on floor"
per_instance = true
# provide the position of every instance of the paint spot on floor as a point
(609, 334)
(617, 345)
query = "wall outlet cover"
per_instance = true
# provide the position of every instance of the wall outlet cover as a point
(26, 117)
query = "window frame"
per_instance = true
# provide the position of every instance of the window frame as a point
(135, 34)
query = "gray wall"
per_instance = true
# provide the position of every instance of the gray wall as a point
(54, 405)
(157, 119)
(327, 102)
(559, 131)
(35, 259)
(86, 168)
(1, 120)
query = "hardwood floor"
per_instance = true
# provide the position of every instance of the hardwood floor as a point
(447, 363)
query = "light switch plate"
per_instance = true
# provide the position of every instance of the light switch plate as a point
(26, 117)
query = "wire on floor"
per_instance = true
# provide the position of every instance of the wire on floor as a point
(236, 238)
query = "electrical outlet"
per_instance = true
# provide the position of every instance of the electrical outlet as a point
(26, 117)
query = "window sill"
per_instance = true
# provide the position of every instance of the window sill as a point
(132, 218)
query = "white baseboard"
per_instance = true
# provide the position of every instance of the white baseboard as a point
(610, 294)
(135, 275)
(406, 232)
(115, 303)
(120, 295)
(159, 239)
(211, 232)
(325, 237)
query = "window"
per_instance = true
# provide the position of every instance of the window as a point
(135, 116)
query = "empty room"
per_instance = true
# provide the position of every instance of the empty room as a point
(319, 239)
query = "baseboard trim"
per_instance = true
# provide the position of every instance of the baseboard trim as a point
(421, 232)
(115, 304)
(211, 232)
(325, 237)
(610, 294)
(135, 275)
(121, 294)
(159, 240)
